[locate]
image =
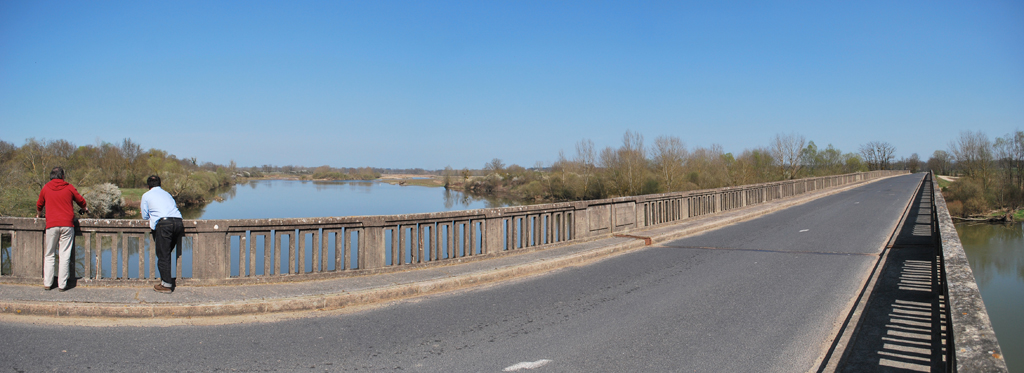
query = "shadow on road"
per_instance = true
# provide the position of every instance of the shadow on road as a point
(903, 327)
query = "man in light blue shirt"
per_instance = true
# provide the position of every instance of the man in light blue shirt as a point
(159, 208)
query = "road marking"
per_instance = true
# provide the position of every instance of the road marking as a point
(527, 365)
(804, 230)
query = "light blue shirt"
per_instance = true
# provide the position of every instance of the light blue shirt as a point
(156, 204)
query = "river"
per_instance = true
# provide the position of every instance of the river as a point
(303, 199)
(996, 255)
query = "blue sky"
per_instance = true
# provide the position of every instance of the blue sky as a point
(430, 84)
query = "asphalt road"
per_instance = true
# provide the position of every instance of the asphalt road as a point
(761, 296)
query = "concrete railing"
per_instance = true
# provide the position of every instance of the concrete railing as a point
(971, 343)
(113, 252)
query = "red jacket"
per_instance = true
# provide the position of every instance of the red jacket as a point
(57, 196)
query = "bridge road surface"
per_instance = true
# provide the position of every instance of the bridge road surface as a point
(765, 295)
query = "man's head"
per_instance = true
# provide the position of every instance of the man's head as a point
(153, 181)
(57, 173)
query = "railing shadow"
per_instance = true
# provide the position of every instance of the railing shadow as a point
(904, 326)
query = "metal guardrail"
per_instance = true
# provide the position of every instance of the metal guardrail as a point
(276, 250)
(971, 345)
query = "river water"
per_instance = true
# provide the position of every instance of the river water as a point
(996, 255)
(304, 199)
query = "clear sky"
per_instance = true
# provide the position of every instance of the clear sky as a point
(428, 84)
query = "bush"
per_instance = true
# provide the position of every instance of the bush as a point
(971, 196)
(956, 208)
(104, 201)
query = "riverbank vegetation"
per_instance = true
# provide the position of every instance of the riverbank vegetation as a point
(667, 165)
(112, 176)
(101, 172)
(987, 177)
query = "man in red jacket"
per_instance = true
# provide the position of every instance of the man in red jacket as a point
(56, 196)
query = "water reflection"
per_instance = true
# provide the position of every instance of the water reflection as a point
(994, 250)
(5, 255)
(298, 199)
(996, 256)
(120, 251)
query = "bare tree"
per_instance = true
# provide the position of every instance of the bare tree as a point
(669, 158)
(708, 167)
(786, 150)
(878, 154)
(972, 152)
(495, 166)
(627, 165)
(586, 162)
(1010, 153)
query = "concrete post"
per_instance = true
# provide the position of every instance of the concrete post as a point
(371, 242)
(581, 220)
(210, 256)
(492, 235)
(27, 248)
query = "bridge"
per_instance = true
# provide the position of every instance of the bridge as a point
(842, 273)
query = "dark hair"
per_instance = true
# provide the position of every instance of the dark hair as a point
(153, 181)
(57, 173)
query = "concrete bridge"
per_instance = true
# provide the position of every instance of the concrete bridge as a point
(828, 296)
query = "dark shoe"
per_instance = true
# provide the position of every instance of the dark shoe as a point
(47, 288)
(62, 290)
(159, 288)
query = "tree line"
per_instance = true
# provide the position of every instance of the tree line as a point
(668, 165)
(100, 171)
(990, 174)
(103, 170)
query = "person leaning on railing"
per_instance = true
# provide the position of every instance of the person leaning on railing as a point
(56, 197)
(159, 208)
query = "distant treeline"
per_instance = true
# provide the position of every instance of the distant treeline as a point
(634, 168)
(336, 173)
(101, 171)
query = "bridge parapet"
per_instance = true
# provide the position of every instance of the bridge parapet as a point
(119, 252)
(972, 344)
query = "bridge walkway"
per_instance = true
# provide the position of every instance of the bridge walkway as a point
(902, 324)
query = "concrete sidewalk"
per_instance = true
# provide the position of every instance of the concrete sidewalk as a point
(126, 305)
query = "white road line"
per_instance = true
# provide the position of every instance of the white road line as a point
(527, 365)
(804, 230)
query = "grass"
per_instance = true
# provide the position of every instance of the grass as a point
(133, 194)
(942, 183)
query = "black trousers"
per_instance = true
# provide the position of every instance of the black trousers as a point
(166, 235)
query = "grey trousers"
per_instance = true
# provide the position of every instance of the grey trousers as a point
(65, 237)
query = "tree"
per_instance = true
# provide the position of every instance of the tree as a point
(1010, 154)
(447, 176)
(494, 166)
(809, 158)
(914, 163)
(669, 158)
(972, 152)
(878, 154)
(939, 162)
(627, 165)
(786, 150)
(586, 163)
